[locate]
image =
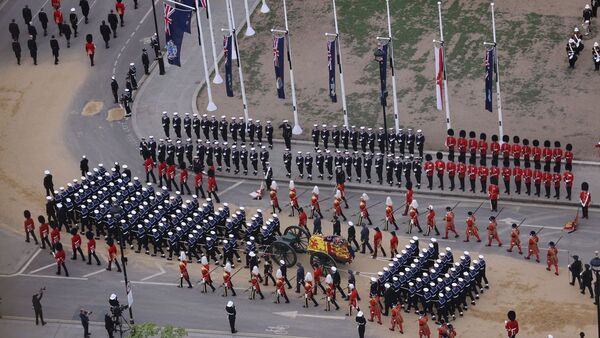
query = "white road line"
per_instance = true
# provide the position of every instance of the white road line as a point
(233, 187)
(162, 271)
(44, 5)
(153, 283)
(53, 277)
(83, 17)
(133, 33)
(24, 266)
(42, 268)
(94, 273)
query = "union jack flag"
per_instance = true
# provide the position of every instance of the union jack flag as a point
(202, 3)
(169, 10)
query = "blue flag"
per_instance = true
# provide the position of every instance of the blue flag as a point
(383, 72)
(278, 59)
(489, 81)
(175, 25)
(227, 45)
(331, 58)
(189, 13)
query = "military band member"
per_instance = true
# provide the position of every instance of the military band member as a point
(440, 167)
(227, 284)
(472, 146)
(492, 229)
(286, 133)
(429, 168)
(451, 168)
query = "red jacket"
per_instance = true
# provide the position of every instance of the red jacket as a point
(29, 225)
(568, 177)
(516, 150)
(547, 179)
(112, 252)
(59, 256)
(91, 245)
(494, 172)
(528, 173)
(171, 172)
(506, 173)
(557, 178)
(505, 149)
(440, 166)
(512, 328)
(55, 235)
(148, 164)
(450, 142)
(557, 153)
(75, 241)
(537, 176)
(302, 219)
(569, 157)
(394, 242)
(518, 174)
(493, 192)
(58, 17)
(377, 237)
(44, 228)
(495, 148)
(198, 179)
(483, 172)
(120, 8)
(537, 153)
(212, 183)
(56, 4)
(409, 196)
(526, 150)
(547, 154)
(462, 170)
(483, 147)
(462, 144)
(472, 145)
(183, 175)
(90, 48)
(585, 198)
(429, 168)
(162, 168)
(472, 171)
(451, 167)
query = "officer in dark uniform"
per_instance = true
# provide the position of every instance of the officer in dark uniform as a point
(37, 306)
(132, 71)
(227, 157)
(188, 150)
(329, 164)
(151, 150)
(335, 136)
(287, 162)
(286, 133)
(170, 151)
(85, 9)
(390, 165)
(166, 121)
(316, 134)
(308, 163)
(269, 134)
(179, 153)
(339, 159)
(32, 30)
(196, 125)
(244, 159)
(223, 127)
(407, 168)
(264, 158)
(242, 129)
(233, 129)
(420, 142)
(259, 132)
(368, 164)
(325, 136)
(354, 138)
(145, 61)
(126, 102)
(254, 160)
(113, 21)
(398, 170)
(345, 134)
(214, 128)
(73, 19)
(66, 31)
(381, 140)
(43, 17)
(218, 151)
(32, 46)
(379, 167)
(401, 140)
(16, 47)
(209, 152)
(357, 162)
(300, 164)
(348, 166)
(161, 150)
(320, 161)
(27, 16)
(205, 125)
(14, 30)
(363, 139)
(417, 169)
(410, 141)
(176, 121)
(105, 32)
(371, 139)
(187, 125)
(235, 158)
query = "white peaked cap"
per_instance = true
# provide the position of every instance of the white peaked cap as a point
(308, 277)
(365, 196)
(274, 185)
(227, 267)
(316, 190)
(292, 186)
(388, 201)
(373, 279)
(230, 303)
(329, 279)
(255, 270)
(359, 314)
(338, 193)
(350, 286)
(47, 172)
(430, 207)
(333, 268)
(182, 256)
(251, 254)
(414, 204)
(282, 262)
(278, 273)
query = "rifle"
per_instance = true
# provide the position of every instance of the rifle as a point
(454, 207)
(474, 212)
(398, 208)
(356, 213)
(540, 230)
(499, 212)
(556, 243)
(240, 269)
(518, 225)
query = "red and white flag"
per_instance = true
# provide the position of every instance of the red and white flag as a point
(439, 76)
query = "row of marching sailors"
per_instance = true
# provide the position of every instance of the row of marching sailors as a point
(517, 150)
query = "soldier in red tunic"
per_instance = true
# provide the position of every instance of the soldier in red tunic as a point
(492, 229)
(585, 199)
(547, 155)
(537, 181)
(377, 242)
(451, 168)
(526, 150)
(450, 144)
(112, 254)
(494, 174)
(389, 213)
(413, 213)
(314, 203)
(511, 325)
(431, 221)
(393, 244)
(273, 197)
(505, 149)
(149, 168)
(44, 231)
(482, 145)
(472, 145)
(206, 279)
(308, 290)
(424, 331)
(557, 179)
(120, 9)
(302, 219)
(518, 175)
(171, 173)
(280, 287)
(337, 205)
(514, 239)
(569, 157)
(552, 257)
(493, 193)
(255, 284)
(449, 218)
(364, 211)
(547, 177)
(58, 20)
(29, 226)
(408, 198)
(568, 178)
(162, 173)
(532, 247)
(471, 227)
(506, 175)
(293, 198)
(76, 244)
(397, 319)
(90, 49)
(515, 149)
(495, 149)
(330, 294)
(352, 298)
(91, 248)
(429, 167)
(317, 274)
(198, 177)
(212, 184)
(461, 144)
(59, 257)
(183, 273)
(375, 310)
(528, 174)
(557, 155)
(536, 153)
(183, 177)
(472, 171)
(483, 172)
(440, 167)
(227, 284)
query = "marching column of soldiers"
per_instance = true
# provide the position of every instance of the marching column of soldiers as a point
(356, 151)
(575, 44)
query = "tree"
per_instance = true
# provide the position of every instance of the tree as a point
(150, 329)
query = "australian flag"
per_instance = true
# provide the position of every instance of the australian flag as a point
(227, 45)
(489, 73)
(331, 57)
(278, 59)
(177, 21)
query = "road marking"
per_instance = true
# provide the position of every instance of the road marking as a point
(26, 264)
(516, 221)
(294, 314)
(94, 273)
(42, 268)
(83, 17)
(162, 271)
(233, 187)
(53, 277)
(152, 283)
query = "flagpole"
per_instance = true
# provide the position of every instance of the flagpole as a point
(339, 51)
(265, 9)
(297, 130)
(249, 30)
(498, 99)
(211, 104)
(231, 28)
(391, 48)
(217, 78)
(239, 62)
(446, 99)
